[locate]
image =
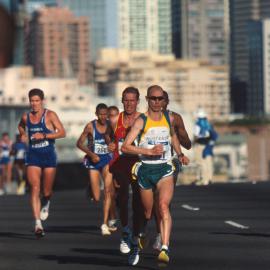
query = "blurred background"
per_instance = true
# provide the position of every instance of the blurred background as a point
(207, 54)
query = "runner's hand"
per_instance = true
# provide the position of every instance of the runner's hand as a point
(95, 158)
(112, 147)
(184, 160)
(157, 150)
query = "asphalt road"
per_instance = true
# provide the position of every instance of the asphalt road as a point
(221, 226)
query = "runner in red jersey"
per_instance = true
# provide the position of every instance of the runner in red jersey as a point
(121, 170)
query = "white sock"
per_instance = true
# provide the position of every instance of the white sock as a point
(112, 222)
(165, 247)
(38, 223)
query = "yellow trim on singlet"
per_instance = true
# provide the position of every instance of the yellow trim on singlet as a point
(150, 123)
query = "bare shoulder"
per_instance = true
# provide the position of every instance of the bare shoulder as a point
(88, 128)
(51, 114)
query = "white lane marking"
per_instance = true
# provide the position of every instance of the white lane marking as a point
(235, 224)
(191, 208)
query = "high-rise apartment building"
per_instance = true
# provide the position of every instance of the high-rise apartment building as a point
(200, 30)
(242, 12)
(259, 67)
(129, 24)
(57, 44)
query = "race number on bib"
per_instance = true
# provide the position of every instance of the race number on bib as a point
(101, 149)
(40, 144)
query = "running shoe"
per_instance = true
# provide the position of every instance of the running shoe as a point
(39, 231)
(125, 243)
(157, 244)
(164, 256)
(21, 188)
(112, 225)
(133, 256)
(105, 229)
(44, 213)
(143, 241)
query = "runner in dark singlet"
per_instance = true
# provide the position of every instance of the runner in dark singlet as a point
(40, 127)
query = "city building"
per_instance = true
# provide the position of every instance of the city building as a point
(191, 84)
(200, 30)
(134, 25)
(57, 44)
(242, 12)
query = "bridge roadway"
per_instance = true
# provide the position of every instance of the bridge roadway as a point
(221, 226)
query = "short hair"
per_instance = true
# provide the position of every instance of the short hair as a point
(101, 106)
(155, 86)
(166, 96)
(114, 108)
(7, 36)
(36, 92)
(4, 134)
(131, 90)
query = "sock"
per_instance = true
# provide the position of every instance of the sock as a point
(112, 222)
(126, 229)
(38, 223)
(46, 202)
(165, 247)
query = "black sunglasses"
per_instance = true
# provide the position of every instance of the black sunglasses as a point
(155, 98)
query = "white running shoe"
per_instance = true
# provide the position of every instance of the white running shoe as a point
(157, 244)
(133, 256)
(112, 225)
(39, 231)
(44, 213)
(105, 229)
(125, 243)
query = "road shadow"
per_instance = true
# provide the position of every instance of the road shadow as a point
(249, 234)
(17, 235)
(74, 229)
(100, 257)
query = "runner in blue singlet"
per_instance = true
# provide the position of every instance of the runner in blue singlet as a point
(97, 160)
(43, 127)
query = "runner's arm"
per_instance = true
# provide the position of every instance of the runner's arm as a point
(58, 127)
(22, 128)
(181, 132)
(128, 148)
(88, 130)
(177, 148)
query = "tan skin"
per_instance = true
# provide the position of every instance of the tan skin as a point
(101, 124)
(165, 186)
(35, 173)
(178, 125)
(130, 103)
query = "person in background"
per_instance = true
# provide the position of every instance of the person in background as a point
(7, 38)
(18, 151)
(204, 140)
(121, 168)
(6, 162)
(97, 162)
(113, 112)
(43, 127)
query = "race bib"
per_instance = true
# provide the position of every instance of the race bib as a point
(101, 149)
(20, 154)
(40, 144)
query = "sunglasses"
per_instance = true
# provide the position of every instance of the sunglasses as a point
(155, 98)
